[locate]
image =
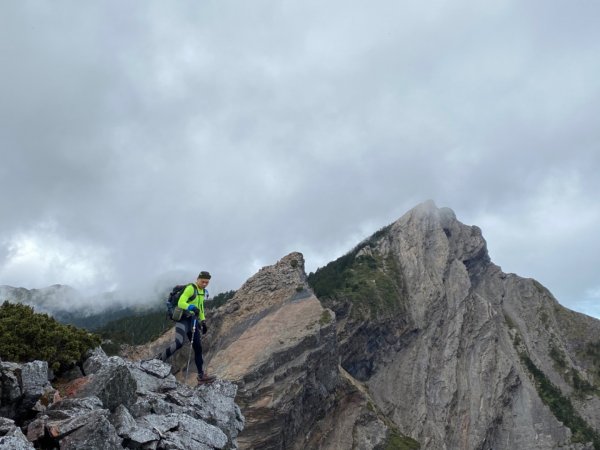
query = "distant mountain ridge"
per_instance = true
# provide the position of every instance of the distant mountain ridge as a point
(68, 305)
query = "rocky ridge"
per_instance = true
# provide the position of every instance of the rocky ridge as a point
(277, 343)
(460, 354)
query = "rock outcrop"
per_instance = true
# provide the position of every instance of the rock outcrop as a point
(117, 404)
(278, 344)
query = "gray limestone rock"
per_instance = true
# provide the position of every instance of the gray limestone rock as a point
(95, 360)
(152, 376)
(187, 432)
(165, 414)
(34, 378)
(16, 442)
(444, 344)
(112, 383)
(10, 388)
(96, 433)
(11, 436)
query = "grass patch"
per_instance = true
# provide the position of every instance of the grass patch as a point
(398, 441)
(371, 282)
(558, 357)
(325, 318)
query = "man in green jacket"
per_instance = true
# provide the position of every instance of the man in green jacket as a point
(191, 302)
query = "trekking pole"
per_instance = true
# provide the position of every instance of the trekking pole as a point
(187, 369)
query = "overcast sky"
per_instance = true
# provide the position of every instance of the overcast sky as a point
(140, 138)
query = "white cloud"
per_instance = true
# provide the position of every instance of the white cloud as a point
(220, 136)
(40, 257)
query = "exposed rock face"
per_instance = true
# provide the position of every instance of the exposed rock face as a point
(277, 343)
(24, 389)
(457, 353)
(118, 404)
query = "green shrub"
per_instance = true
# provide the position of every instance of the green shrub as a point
(561, 406)
(371, 282)
(558, 357)
(219, 300)
(136, 329)
(29, 336)
(397, 441)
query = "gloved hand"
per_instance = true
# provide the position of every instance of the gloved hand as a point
(203, 327)
(193, 309)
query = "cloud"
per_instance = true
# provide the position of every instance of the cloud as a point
(161, 138)
(40, 255)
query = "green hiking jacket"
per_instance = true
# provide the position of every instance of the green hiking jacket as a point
(184, 299)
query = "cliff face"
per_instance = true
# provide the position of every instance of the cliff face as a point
(276, 341)
(455, 352)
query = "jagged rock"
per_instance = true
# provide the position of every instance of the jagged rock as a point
(95, 360)
(156, 419)
(277, 343)
(112, 383)
(24, 387)
(184, 432)
(11, 436)
(34, 378)
(215, 406)
(10, 388)
(156, 368)
(128, 428)
(15, 443)
(154, 403)
(96, 432)
(152, 376)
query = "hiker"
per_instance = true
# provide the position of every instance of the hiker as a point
(191, 302)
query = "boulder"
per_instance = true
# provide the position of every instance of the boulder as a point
(112, 383)
(11, 436)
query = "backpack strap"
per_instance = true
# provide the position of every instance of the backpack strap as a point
(193, 297)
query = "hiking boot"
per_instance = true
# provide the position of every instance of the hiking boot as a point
(205, 379)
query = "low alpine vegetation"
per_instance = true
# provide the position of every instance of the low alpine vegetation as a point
(29, 336)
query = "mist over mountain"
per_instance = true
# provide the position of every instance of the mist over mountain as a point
(69, 305)
(412, 339)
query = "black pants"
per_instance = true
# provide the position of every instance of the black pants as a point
(184, 328)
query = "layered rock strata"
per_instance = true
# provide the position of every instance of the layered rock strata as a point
(277, 343)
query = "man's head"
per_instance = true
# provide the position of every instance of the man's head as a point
(203, 279)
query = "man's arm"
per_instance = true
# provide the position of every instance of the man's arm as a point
(187, 293)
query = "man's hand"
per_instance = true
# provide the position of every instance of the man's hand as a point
(203, 327)
(193, 309)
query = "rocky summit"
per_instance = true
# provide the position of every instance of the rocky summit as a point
(413, 339)
(454, 352)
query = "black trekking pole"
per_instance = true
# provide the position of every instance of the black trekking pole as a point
(190, 353)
